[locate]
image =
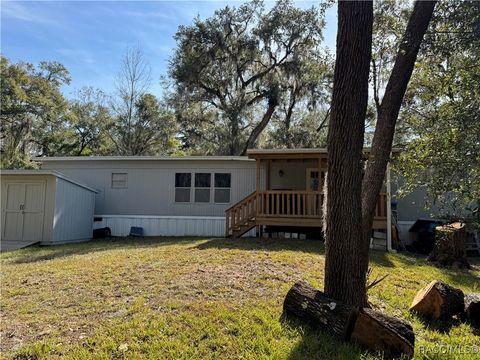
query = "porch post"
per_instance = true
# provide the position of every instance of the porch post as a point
(267, 176)
(257, 186)
(258, 228)
(389, 211)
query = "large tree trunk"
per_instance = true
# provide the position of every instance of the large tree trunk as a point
(345, 274)
(388, 114)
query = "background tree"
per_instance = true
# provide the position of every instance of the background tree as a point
(32, 110)
(442, 112)
(233, 64)
(302, 115)
(87, 119)
(140, 124)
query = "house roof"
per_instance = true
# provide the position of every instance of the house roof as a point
(47, 172)
(252, 154)
(143, 158)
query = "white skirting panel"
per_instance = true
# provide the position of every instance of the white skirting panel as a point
(163, 225)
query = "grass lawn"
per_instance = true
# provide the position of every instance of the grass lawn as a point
(190, 298)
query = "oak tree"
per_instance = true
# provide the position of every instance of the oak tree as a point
(232, 67)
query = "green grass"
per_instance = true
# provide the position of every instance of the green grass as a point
(190, 298)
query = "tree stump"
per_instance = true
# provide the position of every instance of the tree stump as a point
(311, 305)
(449, 248)
(438, 301)
(472, 308)
(379, 332)
(369, 328)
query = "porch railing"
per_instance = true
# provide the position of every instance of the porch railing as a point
(276, 203)
(283, 204)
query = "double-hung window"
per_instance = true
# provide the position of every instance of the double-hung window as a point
(183, 185)
(202, 187)
(223, 183)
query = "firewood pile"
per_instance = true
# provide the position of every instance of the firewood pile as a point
(440, 301)
(449, 248)
(369, 328)
(373, 329)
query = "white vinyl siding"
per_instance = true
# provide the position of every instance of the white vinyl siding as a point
(151, 185)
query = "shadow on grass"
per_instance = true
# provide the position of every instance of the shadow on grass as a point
(380, 258)
(256, 244)
(317, 344)
(440, 326)
(43, 253)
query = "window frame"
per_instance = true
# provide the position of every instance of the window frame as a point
(113, 181)
(195, 188)
(222, 188)
(182, 188)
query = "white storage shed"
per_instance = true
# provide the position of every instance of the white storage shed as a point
(45, 206)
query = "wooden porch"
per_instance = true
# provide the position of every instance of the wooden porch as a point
(288, 193)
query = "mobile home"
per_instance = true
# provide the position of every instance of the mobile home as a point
(207, 195)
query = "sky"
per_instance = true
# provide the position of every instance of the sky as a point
(90, 37)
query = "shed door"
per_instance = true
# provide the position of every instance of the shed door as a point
(23, 212)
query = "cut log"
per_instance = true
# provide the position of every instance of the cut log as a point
(438, 301)
(369, 328)
(449, 248)
(379, 332)
(312, 306)
(472, 308)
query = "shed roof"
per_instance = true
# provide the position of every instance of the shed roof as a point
(47, 172)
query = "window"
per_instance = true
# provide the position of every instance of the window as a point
(202, 187)
(183, 183)
(222, 188)
(202, 184)
(119, 180)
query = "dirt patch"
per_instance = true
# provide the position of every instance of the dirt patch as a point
(238, 280)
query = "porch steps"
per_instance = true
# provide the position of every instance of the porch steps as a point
(243, 228)
(378, 241)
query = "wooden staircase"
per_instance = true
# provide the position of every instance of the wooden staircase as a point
(240, 218)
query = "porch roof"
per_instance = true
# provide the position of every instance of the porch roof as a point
(286, 153)
(306, 153)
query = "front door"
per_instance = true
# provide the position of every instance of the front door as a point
(314, 181)
(23, 211)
